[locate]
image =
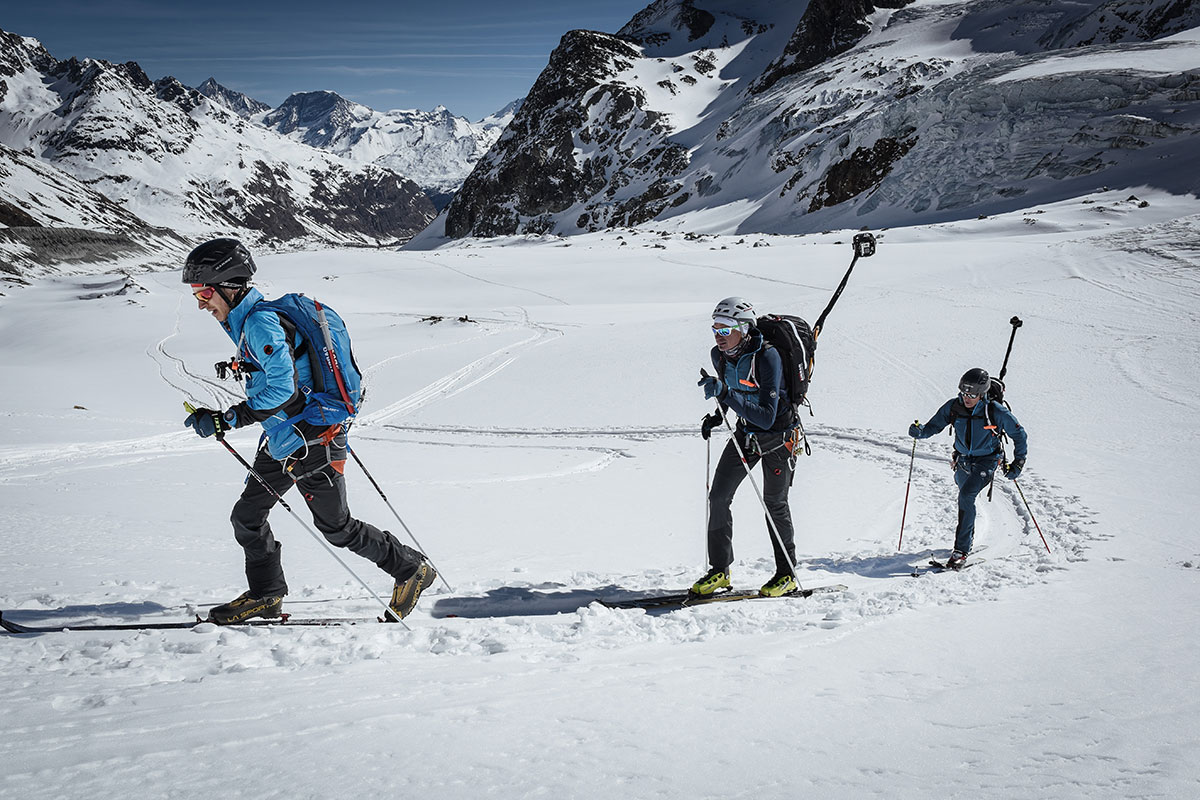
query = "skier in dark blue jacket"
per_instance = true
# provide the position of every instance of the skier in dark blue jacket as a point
(978, 424)
(749, 380)
(293, 452)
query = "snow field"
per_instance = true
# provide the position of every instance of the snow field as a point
(545, 453)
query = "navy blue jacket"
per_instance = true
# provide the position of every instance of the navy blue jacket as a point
(754, 386)
(972, 436)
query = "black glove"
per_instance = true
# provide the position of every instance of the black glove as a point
(914, 431)
(713, 420)
(1013, 470)
(207, 422)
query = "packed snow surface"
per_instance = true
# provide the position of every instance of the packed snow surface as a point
(541, 442)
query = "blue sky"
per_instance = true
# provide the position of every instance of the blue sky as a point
(472, 56)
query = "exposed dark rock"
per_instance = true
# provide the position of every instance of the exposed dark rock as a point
(531, 171)
(863, 170)
(70, 245)
(14, 217)
(828, 28)
(697, 21)
(378, 202)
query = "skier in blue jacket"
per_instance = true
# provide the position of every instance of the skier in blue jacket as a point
(749, 380)
(277, 378)
(978, 424)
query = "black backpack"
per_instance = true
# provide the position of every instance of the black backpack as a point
(793, 339)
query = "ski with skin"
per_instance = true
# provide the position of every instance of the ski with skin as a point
(687, 599)
(283, 621)
(936, 566)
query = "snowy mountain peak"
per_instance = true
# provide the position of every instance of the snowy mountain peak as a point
(501, 118)
(241, 104)
(437, 149)
(321, 116)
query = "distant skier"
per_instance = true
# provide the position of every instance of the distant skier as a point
(750, 381)
(278, 378)
(978, 424)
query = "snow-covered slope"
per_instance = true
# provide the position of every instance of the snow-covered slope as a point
(49, 221)
(180, 160)
(541, 441)
(434, 148)
(811, 115)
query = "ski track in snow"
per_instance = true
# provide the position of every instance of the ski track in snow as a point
(556, 618)
(740, 273)
(175, 373)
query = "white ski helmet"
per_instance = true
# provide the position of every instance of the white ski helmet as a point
(735, 309)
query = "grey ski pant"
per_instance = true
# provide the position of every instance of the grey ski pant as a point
(324, 490)
(777, 468)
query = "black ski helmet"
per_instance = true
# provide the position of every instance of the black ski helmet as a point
(219, 262)
(975, 381)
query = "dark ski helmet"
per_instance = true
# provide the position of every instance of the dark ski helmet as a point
(219, 262)
(975, 381)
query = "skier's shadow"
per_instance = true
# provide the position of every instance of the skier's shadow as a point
(888, 566)
(106, 611)
(525, 601)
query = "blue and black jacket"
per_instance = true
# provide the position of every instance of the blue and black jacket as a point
(977, 430)
(754, 386)
(276, 381)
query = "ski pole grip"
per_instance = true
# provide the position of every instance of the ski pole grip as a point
(1016, 322)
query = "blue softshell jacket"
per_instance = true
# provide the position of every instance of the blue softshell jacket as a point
(971, 434)
(754, 386)
(277, 383)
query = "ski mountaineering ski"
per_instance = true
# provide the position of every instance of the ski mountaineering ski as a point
(284, 621)
(687, 599)
(936, 566)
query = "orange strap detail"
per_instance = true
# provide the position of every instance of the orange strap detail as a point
(328, 436)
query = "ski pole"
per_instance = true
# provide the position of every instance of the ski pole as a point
(388, 612)
(707, 491)
(1031, 516)
(758, 493)
(912, 460)
(374, 483)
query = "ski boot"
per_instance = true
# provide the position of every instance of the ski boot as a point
(783, 583)
(711, 582)
(956, 560)
(407, 592)
(244, 607)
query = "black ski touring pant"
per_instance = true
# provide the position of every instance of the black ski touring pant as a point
(324, 490)
(777, 481)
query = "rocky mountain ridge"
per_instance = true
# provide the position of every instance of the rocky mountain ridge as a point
(175, 158)
(747, 115)
(436, 149)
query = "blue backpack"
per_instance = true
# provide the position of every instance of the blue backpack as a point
(337, 380)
